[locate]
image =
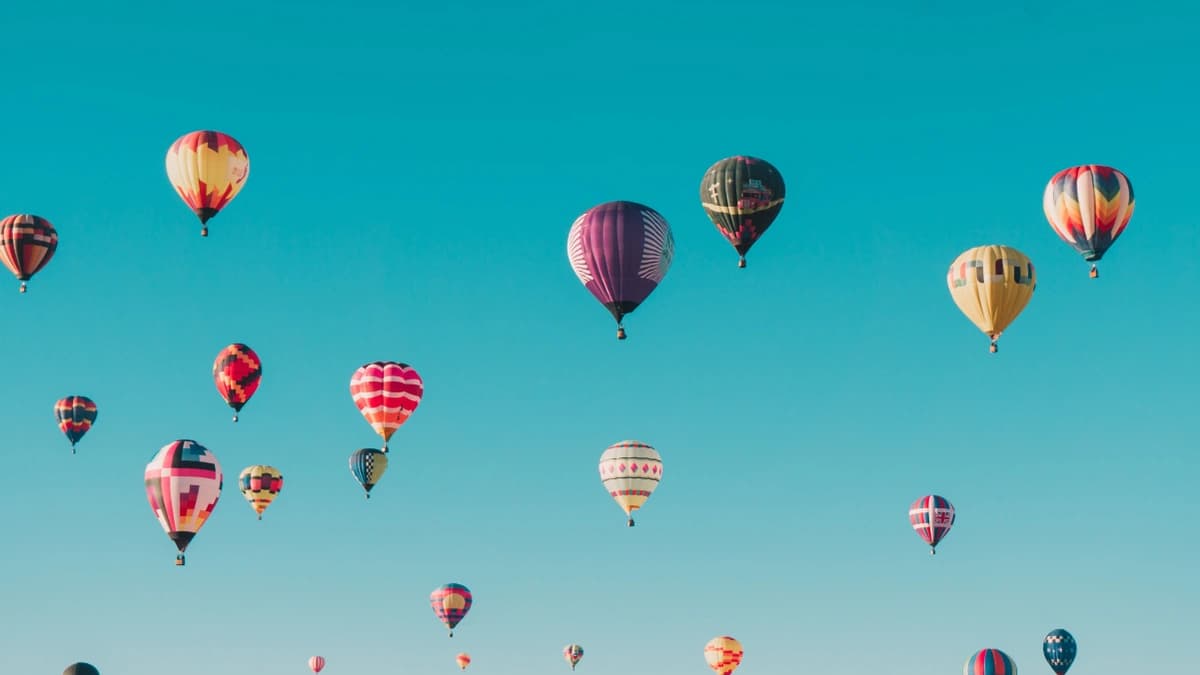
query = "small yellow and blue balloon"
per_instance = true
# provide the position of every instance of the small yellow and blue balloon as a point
(76, 415)
(207, 169)
(991, 285)
(260, 485)
(367, 465)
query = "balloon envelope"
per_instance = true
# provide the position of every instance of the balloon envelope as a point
(450, 603)
(742, 197)
(260, 485)
(75, 416)
(367, 465)
(463, 661)
(723, 654)
(27, 243)
(1088, 207)
(207, 169)
(81, 669)
(1059, 648)
(316, 663)
(183, 484)
(620, 251)
(630, 471)
(386, 393)
(237, 371)
(989, 662)
(932, 517)
(573, 654)
(991, 285)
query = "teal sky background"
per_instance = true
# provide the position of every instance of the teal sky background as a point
(414, 173)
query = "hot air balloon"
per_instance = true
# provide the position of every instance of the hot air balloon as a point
(1089, 206)
(237, 370)
(573, 654)
(620, 251)
(81, 669)
(260, 484)
(991, 285)
(450, 603)
(368, 465)
(723, 654)
(183, 484)
(463, 660)
(207, 169)
(989, 662)
(27, 243)
(630, 471)
(386, 394)
(316, 663)
(931, 516)
(1059, 650)
(75, 415)
(742, 196)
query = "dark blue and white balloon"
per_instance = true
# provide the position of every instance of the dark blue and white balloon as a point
(1059, 649)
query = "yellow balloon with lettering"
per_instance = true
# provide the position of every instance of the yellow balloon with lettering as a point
(992, 285)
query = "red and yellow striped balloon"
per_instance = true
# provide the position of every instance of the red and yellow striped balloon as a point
(207, 169)
(463, 660)
(27, 243)
(260, 485)
(386, 393)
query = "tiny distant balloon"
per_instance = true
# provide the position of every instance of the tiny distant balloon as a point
(1089, 206)
(75, 415)
(27, 243)
(81, 668)
(573, 654)
(630, 471)
(316, 663)
(367, 465)
(207, 169)
(260, 485)
(386, 393)
(931, 516)
(1059, 649)
(742, 197)
(989, 662)
(450, 603)
(463, 661)
(237, 371)
(723, 654)
(991, 285)
(183, 484)
(620, 251)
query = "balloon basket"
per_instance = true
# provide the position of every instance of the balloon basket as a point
(1095, 273)
(179, 560)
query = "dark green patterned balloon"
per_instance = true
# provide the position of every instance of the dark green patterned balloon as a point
(742, 196)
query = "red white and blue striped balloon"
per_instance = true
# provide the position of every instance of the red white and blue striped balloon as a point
(931, 516)
(990, 662)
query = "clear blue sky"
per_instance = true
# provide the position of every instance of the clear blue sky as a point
(414, 173)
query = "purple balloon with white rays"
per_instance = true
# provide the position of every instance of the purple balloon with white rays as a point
(620, 251)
